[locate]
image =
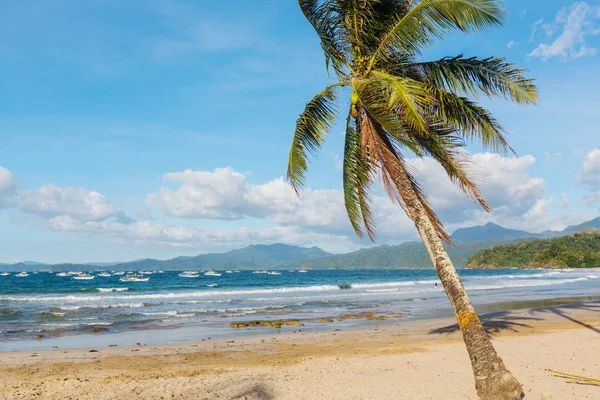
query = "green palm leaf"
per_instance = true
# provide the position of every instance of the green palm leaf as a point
(490, 76)
(357, 183)
(316, 120)
(328, 24)
(431, 19)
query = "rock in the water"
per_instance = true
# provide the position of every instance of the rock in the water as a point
(98, 329)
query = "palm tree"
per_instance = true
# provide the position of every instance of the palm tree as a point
(400, 104)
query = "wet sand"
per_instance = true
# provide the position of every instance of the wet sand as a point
(406, 360)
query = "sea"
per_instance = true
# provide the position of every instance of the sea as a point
(169, 308)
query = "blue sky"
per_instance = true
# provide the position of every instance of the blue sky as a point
(161, 128)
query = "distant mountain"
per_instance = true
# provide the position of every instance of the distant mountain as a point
(251, 257)
(493, 232)
(489, 232)
(405, 255)
(595, 223)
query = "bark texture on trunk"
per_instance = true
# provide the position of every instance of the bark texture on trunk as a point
(492, 380)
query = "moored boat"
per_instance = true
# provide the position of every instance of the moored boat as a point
(84, 277)
(134, 278)
(22, 274)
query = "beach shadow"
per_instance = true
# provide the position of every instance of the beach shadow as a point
(561, 311)
(256, 392)
(493, 323)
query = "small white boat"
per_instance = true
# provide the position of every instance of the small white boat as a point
(84, 277)
(274, 273)
(4, 273)
(212, 273)
(189, 274)
(104, 274)
(161, 272)
(260, 272)
(22, 274)
(119, 273)
(62, 274)
(229, 271)
(74, 273)
(134, 278)
(302, 271)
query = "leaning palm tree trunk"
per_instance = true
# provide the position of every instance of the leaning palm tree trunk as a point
(492, 380)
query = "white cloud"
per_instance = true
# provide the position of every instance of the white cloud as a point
(227, 194)
(590, 171)
(512, 44)
(577, 22)
(565, 200)
(52, 201)
(7, 188)
(221, 194)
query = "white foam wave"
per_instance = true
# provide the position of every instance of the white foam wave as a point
(112, 289)
(508, 285)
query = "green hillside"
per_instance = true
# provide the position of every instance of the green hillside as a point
(581, 250)
(406, 255)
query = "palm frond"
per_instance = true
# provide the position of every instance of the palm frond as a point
(398, 181)
(327, 22)
(490, 76)
(444, 146)
(357, 183)
(406, 98)
(316, 120)
(471, 120)
(431, 19)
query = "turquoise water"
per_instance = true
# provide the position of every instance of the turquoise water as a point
(55, 306)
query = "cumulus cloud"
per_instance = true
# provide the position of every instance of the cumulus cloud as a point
(577, 22)
(227, 194)
(7, 188)
(221, 194)
(51, 201)
(200, 238)
(504, 182)
(590, 171)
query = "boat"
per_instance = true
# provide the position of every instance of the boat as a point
(134, 278)
(104, 274)
(22, 274)
(62, 274)
(74, 273)
(274, 273)
(84, 277)
(302, 271)
(189, 274)
(161, 272)
(4, 273)
(212, 273)
(229, 271)
(119, 273)
(260, 272)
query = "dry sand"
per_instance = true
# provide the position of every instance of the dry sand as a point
(423, 360)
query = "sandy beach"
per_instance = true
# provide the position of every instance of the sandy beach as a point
(416, 360)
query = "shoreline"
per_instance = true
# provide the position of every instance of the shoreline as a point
(358, 321)
(422, 359)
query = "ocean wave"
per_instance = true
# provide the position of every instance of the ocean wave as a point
(392, 284)
(90, 307)
(112, 289)
(509, 285)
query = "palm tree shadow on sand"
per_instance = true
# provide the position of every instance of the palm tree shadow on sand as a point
(561, 311)
(256, 392)
(493, 323)
(512, 321)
